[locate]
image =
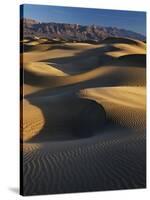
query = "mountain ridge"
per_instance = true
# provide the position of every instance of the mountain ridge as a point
(75, 32)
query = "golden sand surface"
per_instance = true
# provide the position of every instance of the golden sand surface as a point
(84, 115)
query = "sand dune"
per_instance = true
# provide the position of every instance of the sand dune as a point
(118, 40)
(101, 76)
(84, 115)
(128, 109)
(42, 69)
(66, 118)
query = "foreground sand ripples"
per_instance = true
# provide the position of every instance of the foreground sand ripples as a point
(114, 163)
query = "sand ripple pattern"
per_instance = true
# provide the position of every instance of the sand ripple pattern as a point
(115, 163)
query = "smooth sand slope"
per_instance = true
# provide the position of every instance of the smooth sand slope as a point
(84, 115)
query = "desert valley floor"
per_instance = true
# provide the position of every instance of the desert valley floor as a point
(84, 115)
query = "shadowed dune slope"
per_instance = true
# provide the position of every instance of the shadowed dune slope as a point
(137, 60)
(61, 118)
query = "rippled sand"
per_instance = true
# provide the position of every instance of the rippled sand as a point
(84, 116)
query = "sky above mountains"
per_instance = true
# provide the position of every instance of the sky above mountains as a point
(130, 20)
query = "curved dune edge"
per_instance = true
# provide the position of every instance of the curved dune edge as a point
(124, 105)
(113, 156)
(104, 75)
(42, 69)
(72, 118)
(127, 110)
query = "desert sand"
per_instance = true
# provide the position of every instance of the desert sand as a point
(84, 115)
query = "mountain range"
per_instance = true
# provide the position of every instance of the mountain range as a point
(74, 32)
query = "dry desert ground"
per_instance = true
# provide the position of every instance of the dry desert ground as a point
(84, 115)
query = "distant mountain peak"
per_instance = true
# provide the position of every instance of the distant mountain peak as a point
(30, 21)
(74, 31)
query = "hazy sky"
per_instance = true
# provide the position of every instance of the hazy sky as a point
(130, 20)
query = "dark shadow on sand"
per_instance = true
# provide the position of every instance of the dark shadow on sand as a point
(83, 61)
(68, 117)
